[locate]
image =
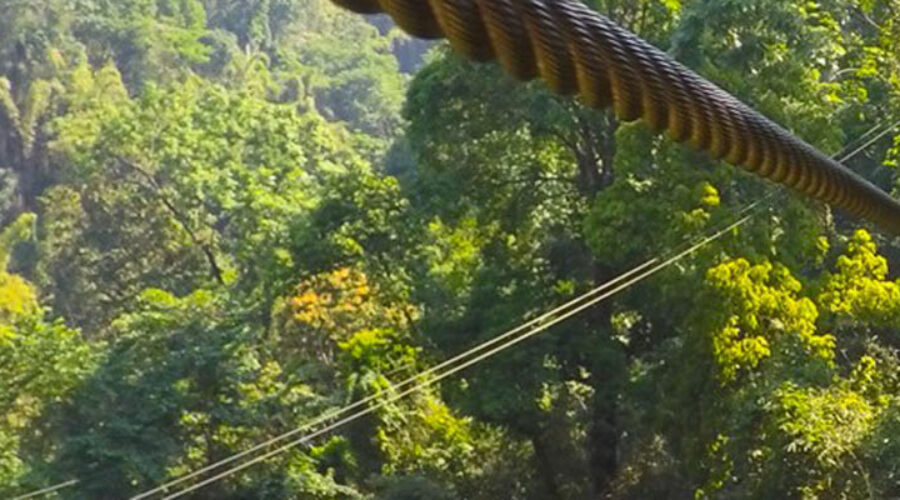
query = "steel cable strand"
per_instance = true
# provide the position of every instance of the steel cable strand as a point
(578, 51)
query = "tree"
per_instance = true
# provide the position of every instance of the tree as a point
(207, 393)
(203, 179)
(570, 198)
(41, 363)
(239, 228)
(782, 413)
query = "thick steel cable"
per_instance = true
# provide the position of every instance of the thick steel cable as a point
(576, 50)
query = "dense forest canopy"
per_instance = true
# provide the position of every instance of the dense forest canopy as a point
(221, 219)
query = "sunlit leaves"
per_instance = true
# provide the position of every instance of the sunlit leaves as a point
(41, 363)
(859, 288)
(209, 175)
(819, 410)
(341, 310)
(17, 297)
(762, 308)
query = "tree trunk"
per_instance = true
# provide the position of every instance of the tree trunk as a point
(543, 454)
(603, 435)
(595, 151)
(596, 161)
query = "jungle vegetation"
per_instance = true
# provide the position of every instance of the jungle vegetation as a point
(220, 219)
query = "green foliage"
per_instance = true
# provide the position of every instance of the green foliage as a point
(759, 303)
(787, 416)
(858, 289)
(12, 235)
(215, 394)
(42, 362)
(223, 218)
(204, 192)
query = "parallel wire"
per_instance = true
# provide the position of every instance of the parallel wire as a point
(866, 135)
(47, 490)
(488, 354)
(337, 413)
(331, 415)
(473, 350)
(875, 139)
(362, 402)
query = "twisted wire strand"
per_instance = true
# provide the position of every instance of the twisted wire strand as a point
(578, 51)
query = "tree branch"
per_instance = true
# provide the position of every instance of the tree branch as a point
(157, 190)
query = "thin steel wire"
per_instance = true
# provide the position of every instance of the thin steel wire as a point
(485, 355)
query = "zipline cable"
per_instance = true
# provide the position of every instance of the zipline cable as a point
(447, 373)
(577, 50)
